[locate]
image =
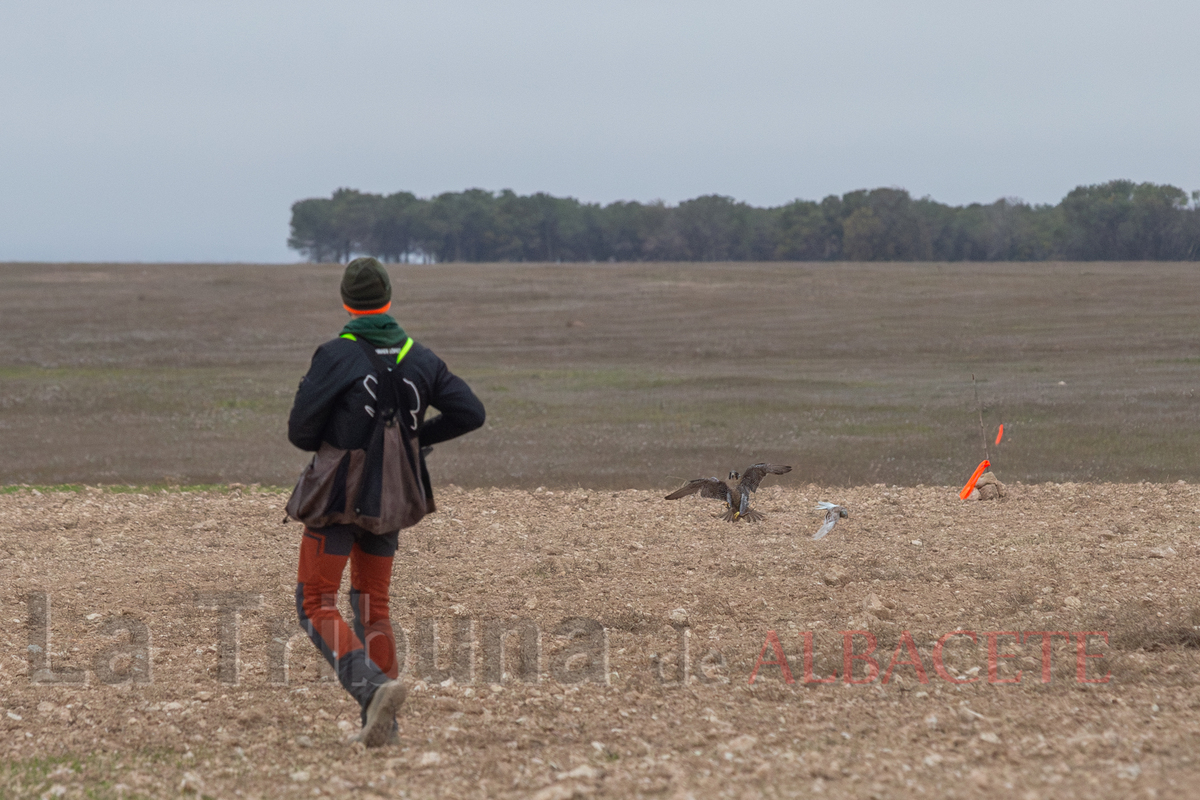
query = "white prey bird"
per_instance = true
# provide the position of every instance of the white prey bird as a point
(833, 513)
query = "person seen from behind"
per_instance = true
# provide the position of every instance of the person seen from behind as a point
(336, 404)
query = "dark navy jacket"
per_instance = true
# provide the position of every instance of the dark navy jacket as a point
(336, 399)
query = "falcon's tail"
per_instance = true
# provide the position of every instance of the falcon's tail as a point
(750, 515)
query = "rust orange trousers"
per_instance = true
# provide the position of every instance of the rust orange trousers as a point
(363, 657)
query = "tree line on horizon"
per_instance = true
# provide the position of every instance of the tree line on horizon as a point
(1115, 221)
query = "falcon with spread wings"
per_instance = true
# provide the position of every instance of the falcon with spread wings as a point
(737, 500)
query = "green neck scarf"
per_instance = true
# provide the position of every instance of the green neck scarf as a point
(378, 329)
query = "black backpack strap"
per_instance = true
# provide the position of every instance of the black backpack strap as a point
(386, 372)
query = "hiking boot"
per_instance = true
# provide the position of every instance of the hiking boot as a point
(380, 723)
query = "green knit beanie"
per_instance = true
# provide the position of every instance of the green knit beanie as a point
(366, 285)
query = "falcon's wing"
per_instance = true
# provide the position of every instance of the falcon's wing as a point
(825, 505)
(707, 487)
(753, 476)
(831, 518)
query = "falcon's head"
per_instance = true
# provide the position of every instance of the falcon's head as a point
(734, 475)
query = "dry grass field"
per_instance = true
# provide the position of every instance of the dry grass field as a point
(645, 620)
(621, 376)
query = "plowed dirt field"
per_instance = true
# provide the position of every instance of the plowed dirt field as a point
(633, 632)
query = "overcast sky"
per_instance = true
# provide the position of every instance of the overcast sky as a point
(184, 131)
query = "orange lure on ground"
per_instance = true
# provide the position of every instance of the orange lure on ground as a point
(966, 490)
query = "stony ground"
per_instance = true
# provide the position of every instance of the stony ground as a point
(607, 714)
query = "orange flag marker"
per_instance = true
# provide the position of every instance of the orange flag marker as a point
(1000, 433)
(966, 490)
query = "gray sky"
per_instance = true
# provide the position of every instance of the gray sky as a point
(184, 131)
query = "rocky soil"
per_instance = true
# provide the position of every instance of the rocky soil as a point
(649, 666)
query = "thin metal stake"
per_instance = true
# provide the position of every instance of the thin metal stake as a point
(982, 432)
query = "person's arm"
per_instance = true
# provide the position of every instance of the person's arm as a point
(462, 411)
(334, 368)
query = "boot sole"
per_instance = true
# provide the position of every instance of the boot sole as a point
(387, 700)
